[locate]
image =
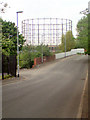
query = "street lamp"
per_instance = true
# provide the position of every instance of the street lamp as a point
(89, 7)
(18, 45)
(65, 38)
(42, 46)
(87, 10)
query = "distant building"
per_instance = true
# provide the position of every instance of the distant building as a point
(47, 31)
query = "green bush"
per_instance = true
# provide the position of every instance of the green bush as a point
(45, 49)
(35, 55)
(7, 76)
(28, 54)
(25, 60)
(87, 52)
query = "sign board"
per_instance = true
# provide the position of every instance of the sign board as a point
(89, 6)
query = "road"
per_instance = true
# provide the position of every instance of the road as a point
(51, 91)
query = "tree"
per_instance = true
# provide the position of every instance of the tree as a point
(70, 42)
(82, 36)
(3, 6)
(46, 51)
(9, 38)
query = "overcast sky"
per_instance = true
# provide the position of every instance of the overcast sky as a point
(68, 9)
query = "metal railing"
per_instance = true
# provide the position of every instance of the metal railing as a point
(9, 65)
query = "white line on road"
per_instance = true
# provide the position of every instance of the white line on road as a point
(81, 101)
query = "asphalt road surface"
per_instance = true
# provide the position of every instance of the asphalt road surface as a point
(50, 91)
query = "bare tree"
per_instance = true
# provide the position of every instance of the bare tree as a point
(3, 7)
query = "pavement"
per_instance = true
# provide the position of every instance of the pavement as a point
(83, 108)
(52, 90)
(85, 103)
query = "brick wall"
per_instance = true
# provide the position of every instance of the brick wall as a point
(38, 60)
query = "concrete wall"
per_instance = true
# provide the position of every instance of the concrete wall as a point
(69, 53)
(59, 55)
(38, 61)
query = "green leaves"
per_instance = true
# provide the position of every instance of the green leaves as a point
(9, 38)
(25, 60)
(46, 51)
(28, 54)
(82, 37)
(70, 42)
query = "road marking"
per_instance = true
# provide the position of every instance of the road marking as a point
(82, 98)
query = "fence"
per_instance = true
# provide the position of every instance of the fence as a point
(9, 65)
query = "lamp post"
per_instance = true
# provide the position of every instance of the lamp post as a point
(89, 7)
(18, 45)
(42, 46)
(87, 12)
(89, 32)
(42, 52)
(65, 38)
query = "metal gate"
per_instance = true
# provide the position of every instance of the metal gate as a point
(9, 65)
